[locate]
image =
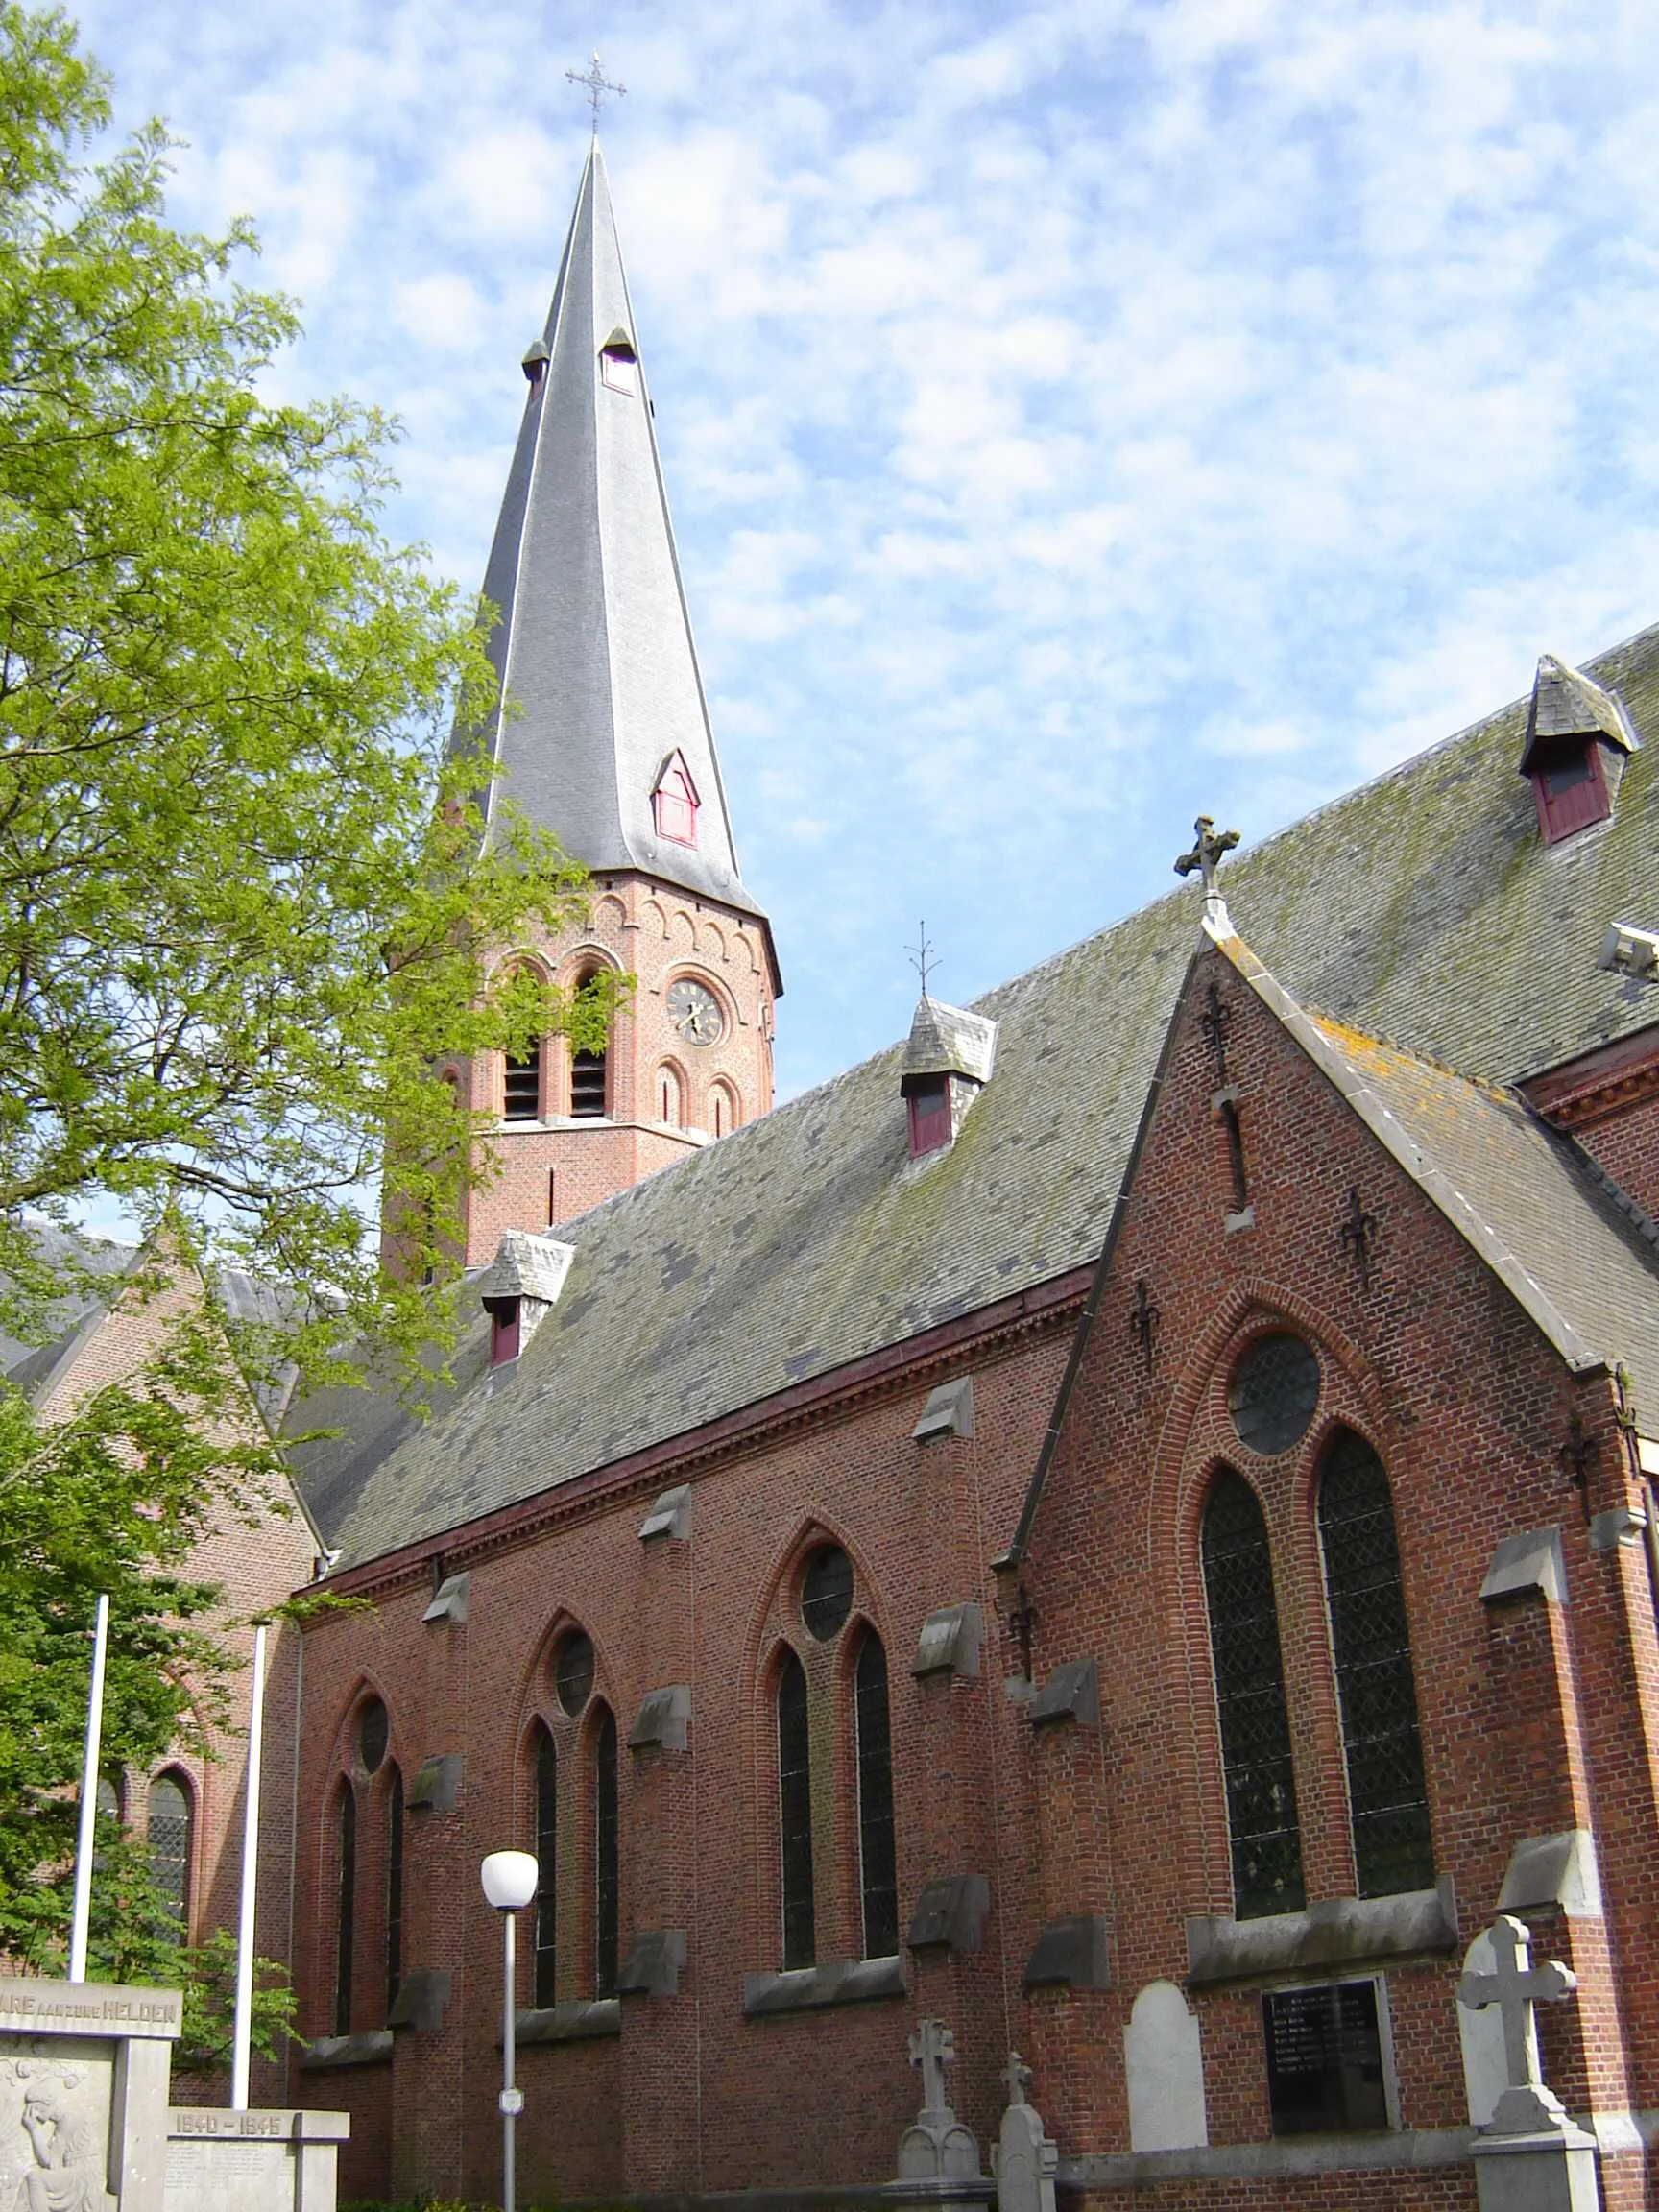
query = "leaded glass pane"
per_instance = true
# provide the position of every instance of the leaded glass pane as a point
(372, 1731)
(827, 1593)
(1274, 1392)
(605, 1857)
(546, 1869)
(573, 1672)
(394, 1888)
(1388, 1801)
(878, 1876)
(1250, 1701)
(795, 1814)
(169, 1838)
(347, 1903)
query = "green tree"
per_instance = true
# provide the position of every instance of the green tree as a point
(245, 889)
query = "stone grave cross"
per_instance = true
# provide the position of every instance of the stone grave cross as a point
(1017, 2076)
(1514, 1988)
(934, 2048)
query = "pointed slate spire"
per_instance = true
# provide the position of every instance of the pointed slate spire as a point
(593, 645)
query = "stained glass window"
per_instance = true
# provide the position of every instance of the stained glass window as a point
(1274, 1392)
(877, 1871)
(546, 1868)
(827, 1593)
(394, 1888)
(1388, 1800)
(372, 1731)
(573, 1672)
(1250, 1700)
(169, 1840)
(347, 1903)
(795, 1812)
(605, 1856)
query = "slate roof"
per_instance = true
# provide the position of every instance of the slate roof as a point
(593, 644)
(1423, 907)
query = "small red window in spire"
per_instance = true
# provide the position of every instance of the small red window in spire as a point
(620, 365)
(675, 802)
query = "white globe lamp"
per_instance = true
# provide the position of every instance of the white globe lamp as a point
(509, 1879)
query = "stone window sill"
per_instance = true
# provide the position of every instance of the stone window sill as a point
(370, 2047)
(1341, 1932)
(811, 1988)
(583, 2021)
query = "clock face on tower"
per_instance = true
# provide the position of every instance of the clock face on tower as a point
(695, 1012)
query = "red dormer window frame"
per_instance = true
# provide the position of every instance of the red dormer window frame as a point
(928, 1101)
(674, 802)
(1570, 786)
(506, 1330)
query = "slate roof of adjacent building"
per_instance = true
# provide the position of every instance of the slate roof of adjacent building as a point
(594, 642)
(1422, 907)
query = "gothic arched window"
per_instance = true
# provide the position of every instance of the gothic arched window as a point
(795, 1812)
(170, 1834)
(393, 1886)
(547, 1786)
(877, 1869)
(1388, 1800)
(606, 1885)
(522, 1087)
(1262, 1824)
(345, 1906)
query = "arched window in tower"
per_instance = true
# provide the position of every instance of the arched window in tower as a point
(722, 1109)
(669, 1097)
(546, 1809)
(877, 1866)
(170, 1834)
(674, 802)
(795, 1814)
(394, 1795)
(1387, 1800)
(345, 1905)
(521, 1088)
(606, 1855)
(1262, 1823)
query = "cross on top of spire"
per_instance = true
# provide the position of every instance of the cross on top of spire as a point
(1207, 852)
(596, 84)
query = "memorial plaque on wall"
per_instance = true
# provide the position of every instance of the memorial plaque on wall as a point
(1324, 2059)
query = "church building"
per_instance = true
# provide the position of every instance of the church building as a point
(1123, 1524)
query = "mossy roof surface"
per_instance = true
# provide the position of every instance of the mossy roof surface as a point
(1422, 906)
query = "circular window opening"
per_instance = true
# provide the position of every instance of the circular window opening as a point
(827, 1593)
(573, 1672)
(1274, 1392)
(372, 1734)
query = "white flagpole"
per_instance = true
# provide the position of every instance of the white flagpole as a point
(249, 1868)
(78, 1926)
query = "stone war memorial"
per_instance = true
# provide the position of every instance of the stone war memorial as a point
(86, 2124)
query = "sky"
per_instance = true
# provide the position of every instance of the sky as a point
(1075, 417)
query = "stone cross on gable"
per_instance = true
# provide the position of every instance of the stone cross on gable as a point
(1017, 2076)
(1514, 1986)
(1208, 848)
(934, 2048)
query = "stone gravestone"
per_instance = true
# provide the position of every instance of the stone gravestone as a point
(1164, 2064)
(1528, 2156)
(1480, 2032)
(1025, 2159)
(938, 2157)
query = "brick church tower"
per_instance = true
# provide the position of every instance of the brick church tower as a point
(603, 735)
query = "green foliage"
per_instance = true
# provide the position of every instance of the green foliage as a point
(113, 1497)
(244, 890)
(133, 1939)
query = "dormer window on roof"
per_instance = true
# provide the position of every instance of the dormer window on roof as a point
(620, 364)
(947, 1061)
(674, 802)
(520, 1288)
(1579, 738)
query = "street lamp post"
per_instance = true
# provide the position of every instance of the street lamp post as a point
(510, 1879)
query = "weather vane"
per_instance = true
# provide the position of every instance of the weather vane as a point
(596, 84)
(922, 957)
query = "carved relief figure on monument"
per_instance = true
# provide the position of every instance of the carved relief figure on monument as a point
(64, 2118)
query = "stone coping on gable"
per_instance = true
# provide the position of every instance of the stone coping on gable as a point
(810, 1988)
(1388, 2150)
(1337, 1933)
